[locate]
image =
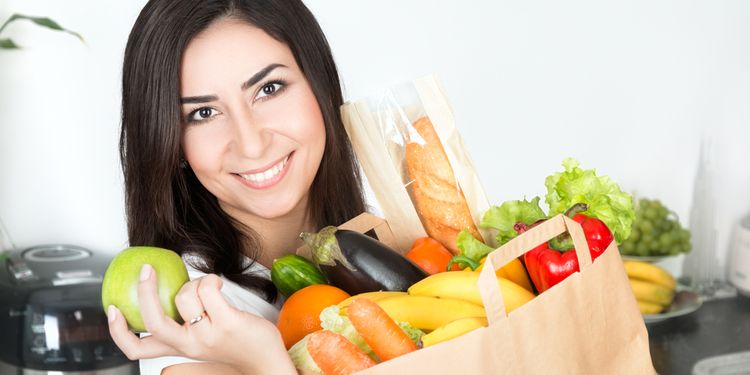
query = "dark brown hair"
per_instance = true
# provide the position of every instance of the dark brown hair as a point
(166, 205)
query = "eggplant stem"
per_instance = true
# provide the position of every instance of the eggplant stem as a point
(325, 248)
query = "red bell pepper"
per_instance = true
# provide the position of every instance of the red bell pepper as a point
(548, 266)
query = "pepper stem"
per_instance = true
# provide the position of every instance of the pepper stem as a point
(520, 227)
(576, 209)
(462, 260)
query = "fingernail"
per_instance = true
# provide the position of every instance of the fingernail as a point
(111, 313)
(145, 272)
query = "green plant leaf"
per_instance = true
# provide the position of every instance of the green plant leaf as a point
(8, 43)
(41, 21)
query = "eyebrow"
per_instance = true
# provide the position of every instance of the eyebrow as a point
(260, 75)
(257, 77)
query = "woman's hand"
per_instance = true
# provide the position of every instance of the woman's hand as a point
(213, 330)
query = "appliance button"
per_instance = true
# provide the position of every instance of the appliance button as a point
(21, 272)
(77, 355)
(73, 274)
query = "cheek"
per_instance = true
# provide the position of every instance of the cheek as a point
(313, 132)
(202, 151)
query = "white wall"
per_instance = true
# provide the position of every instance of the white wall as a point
(626, 87)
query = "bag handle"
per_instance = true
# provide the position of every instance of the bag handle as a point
(489, 288)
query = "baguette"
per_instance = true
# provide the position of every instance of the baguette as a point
(437, 198)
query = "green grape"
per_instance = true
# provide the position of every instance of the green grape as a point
(656, 231)
(686, 247)
(648, 243)
(627, 247)
(646, 227)
(665, 241)
(662, 226)
(662, 212)
(641, 249)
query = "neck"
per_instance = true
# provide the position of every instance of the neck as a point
(277, 236)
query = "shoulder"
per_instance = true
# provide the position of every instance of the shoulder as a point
(239, 297)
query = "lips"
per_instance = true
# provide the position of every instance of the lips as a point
(267, 176)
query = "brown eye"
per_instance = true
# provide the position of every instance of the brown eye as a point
(202, 114)
(270, 89)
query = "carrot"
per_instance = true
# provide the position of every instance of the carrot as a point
(383, 335)
(335, 355)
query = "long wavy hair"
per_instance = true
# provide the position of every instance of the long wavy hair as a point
(166, 205)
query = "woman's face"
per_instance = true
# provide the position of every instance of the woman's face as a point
(253, 131)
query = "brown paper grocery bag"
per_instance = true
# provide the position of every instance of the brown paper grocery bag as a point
(587, 324)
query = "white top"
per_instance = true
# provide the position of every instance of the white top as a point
(237, 296)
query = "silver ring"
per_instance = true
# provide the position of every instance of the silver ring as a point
(197, 318)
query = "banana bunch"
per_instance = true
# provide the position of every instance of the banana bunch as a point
(463, 286)
(445, 305)
(424, 312)
(653, 286)
(372, 296)
(429, 313)
(452, 330)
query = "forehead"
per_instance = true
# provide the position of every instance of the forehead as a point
(229, 51)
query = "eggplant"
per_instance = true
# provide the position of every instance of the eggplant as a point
(358, 263)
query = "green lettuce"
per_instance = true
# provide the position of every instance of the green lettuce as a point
(604, 198)
(302, 358)
(472, 247)
(415, 334)
(332, 320)
(503, 218)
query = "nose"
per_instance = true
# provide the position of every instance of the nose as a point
(250, 138)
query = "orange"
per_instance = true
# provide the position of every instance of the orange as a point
(300, 314)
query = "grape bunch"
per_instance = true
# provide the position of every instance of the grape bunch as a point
(656, 231)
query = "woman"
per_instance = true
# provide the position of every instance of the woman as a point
(231, 145)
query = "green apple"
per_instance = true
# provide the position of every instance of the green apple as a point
(120, 284)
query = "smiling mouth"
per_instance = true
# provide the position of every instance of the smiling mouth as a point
(267, 177)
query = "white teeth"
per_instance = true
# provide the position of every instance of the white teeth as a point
(269, 173)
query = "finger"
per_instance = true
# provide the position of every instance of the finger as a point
(133, 347)
(209, 291)
(188, 303)
(158, 324)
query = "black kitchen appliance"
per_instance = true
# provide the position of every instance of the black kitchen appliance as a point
(51, 317)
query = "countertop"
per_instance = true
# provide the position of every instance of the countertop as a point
(720, 326)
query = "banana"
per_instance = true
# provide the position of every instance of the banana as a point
(650, 292)
(513, 271)
(428, 313)
(649, 272)
(649, 308)
(463, 285)
(452, 330)
(372, 296)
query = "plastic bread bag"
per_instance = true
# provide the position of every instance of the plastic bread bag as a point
(416, 163)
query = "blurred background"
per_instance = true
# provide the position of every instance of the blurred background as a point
(630, 88)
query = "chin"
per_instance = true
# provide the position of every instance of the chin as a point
(275, 209)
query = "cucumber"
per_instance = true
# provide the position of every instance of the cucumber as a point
(291, 273)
